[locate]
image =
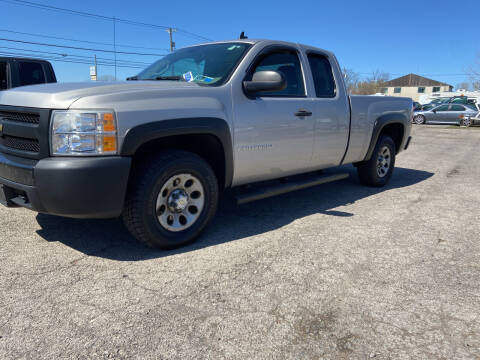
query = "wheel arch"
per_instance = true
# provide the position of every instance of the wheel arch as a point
(392, 125)
(208, 137)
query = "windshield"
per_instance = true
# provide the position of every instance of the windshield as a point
(204, 64)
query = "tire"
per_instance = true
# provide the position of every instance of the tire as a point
(375, 171)
(466, 122)
(419, 119)
(163, 193)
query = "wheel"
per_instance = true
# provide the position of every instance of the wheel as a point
(171, 199)
(467, 122)
(378, 170)
(419, 119)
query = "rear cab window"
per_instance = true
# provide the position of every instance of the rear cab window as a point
(322, 76)
(31, 73)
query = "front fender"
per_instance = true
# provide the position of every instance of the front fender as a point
(141, 134)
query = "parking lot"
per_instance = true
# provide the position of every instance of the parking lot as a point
(337, 271)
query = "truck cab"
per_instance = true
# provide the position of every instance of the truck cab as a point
(15, 72)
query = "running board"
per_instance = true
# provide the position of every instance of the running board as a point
(273, 190)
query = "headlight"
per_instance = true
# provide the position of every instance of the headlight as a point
(83, 133)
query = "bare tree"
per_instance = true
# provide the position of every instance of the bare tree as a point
(375, 83)
(351, 79)
(474, 74)
(463, 85)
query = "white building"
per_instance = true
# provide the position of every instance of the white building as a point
(414, 86)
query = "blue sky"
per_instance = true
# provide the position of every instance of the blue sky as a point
(432, 38)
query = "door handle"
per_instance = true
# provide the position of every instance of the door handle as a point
(303, 112)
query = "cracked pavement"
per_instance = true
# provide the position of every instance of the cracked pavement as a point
(339, 271)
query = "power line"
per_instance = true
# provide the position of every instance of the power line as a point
(100, 17)
(80, 41)
(67, 61)
(78, 48)
(57, 9)
(64, 55)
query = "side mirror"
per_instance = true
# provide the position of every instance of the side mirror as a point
(265, 81)
(434, 111)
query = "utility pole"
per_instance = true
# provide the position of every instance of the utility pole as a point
(115, 44)
(172, 43)
(93, 70)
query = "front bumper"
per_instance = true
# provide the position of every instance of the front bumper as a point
(89, 187)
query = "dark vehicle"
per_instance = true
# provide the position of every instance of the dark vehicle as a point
(15, 72)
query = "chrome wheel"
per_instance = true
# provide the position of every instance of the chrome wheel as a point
(467, 122)
(180, 202)
(419, 119)
(383, 161)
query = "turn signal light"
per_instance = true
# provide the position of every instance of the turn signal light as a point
(108, 122)
(109, 143)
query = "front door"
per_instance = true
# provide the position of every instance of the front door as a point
(440, 114)
(273, 132)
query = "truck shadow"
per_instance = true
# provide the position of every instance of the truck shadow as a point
(109, 239)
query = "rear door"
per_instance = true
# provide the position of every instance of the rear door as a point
(455, 113)
(331, 112)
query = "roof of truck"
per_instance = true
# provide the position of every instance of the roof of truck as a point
(266, 42)
(16, 58)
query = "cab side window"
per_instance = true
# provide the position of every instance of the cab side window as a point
(287, 63)
(31, 73)
(322, 76)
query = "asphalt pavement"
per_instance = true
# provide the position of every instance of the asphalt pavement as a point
(339, 271)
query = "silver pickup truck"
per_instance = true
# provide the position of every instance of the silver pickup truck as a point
(158, 150)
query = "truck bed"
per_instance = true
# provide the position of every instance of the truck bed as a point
(365, 110)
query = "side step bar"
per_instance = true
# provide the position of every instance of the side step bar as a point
(273, 190)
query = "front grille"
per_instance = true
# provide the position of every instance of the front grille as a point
(17, 143)
(24, 131)
(20, 117)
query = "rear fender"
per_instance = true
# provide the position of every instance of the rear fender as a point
(379, 125)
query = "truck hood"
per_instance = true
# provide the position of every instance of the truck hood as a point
(63, 95)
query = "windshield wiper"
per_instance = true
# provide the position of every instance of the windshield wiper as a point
(169, 78)
(158, 78)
